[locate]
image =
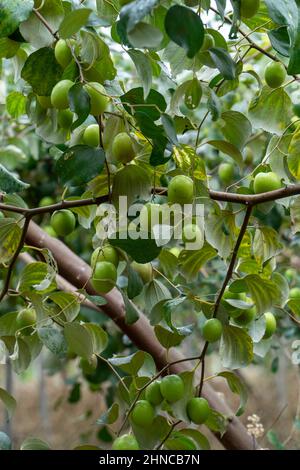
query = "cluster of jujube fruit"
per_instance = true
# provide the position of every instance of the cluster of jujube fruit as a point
(169, 390)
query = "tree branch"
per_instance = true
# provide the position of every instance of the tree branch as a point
(14, 259)
(245, 199)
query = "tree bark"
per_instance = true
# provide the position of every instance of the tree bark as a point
(78, 273)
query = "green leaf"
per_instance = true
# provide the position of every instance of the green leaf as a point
(99, 337)
(131, 311)
(191, 262)
(42, 71)
(185, 28)
(80, 164)
(223, 62)
(80, 104)
(38, 277)
(236, 386)
(228, 149)
(236, 348)
(263, 291)
(108, 11)
(33, 443)
(8, 48)
(178, 441)
(73, 22)
(141, 249)
(155, 103)
(132, 181)
(134, 12)
(271, 110)
(144, 35)
(294, 63)
(266, 244)
(236, 128)
(169, 127)
(151, 436)
(54, 340)
(129, 364)
(135, 283)
(78, 339)
(217, 422)
(8, 325)
(155, 292)
(69, 304)
(220, 232)
(35, 32)
(8, 401)
(12, 13)
(167, 337)
(10, 234)
(110, 416)
(9, 183)
(143, 66)
(199, 438)
(280, 40)
(16, 104)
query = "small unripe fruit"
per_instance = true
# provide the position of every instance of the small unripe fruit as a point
(181, 190)
(144, 270)
(50, 231)
(208, 42)
(99, 100)
(172, 388)
(63, 222)
(275, 74)
(246, 317)
(143, 413)
(25, 320)
(65, 118)
(265, 182)
(234, 312)
(191, 233)
(212, 330)
(198, 410)
(290, 274)
(249, 8)
(62, 53)
(104, 277)
(295, 293)
(122, 148)
(125, 442)
(226, 172)
(153, 393)
(45, 101)
(270, 325)
(105, 253)
(59, 95)
(46, 201)
(91, 135)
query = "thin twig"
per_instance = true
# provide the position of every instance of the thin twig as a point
(168, 435)
(14, 259)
